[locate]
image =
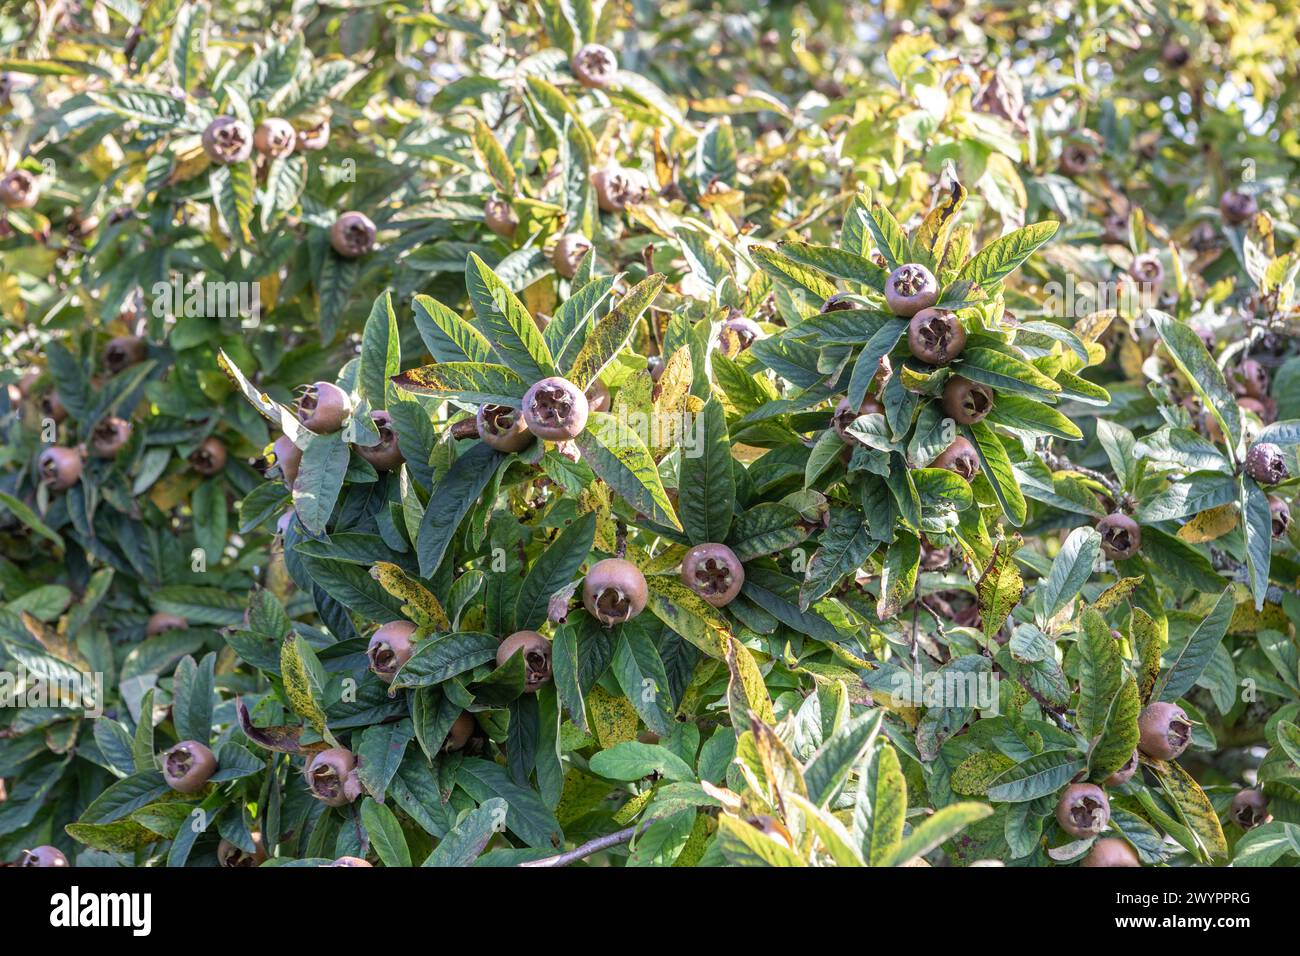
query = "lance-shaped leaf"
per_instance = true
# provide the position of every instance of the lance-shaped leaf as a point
(932, 832)
(1071, 569)
(476, 383)
(1196, 654)
(996, 466)
(381, 352)
(881, 806)
(612, 332)
(1201, 372)
(618, 456)
(447, 336)
(457, 492)
(707, 489)
(504, 320)
(418, 602)
(1002, 256)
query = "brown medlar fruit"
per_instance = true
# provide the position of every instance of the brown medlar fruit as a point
(568, 253)
(352, 235)
(161, 623)
(275, 138)
(617, 187)
(909, 289)
(614, 591)
(287, 457)
(500, 217)
(936, 336)
(1237, 208)
(332, 777)
(1279, 516)
(1125, 773)
(598, 397)
(227, 140)
(537, 657)
(59, 467)
(323, 407)
(1249, 809)
(462, 729)
(1083, 810)
(1121, 536)
(188, 765)
(123, 352)
(714, 573)
(555, 409)
(110, 436)
(1165, 732)
(19, 189)
(966, 402)
(503, 428)
(210, 457)
(960, 458)
(845, 416)
(386, 454)
(231, 856)
(390, 647)
(1266, 464)
(1111, 851)
(594, 66)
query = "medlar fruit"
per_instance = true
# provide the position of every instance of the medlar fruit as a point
(314, 137)
(287, 457)
(188, 765)
(555, 409)
(1164, 730)
(1083, 810)
(161, 623)
(567, 254)
(323, 407)
(1249, 809)
(275, 138)
(19, 189)
(231, 856)
(42, 856)
(227, 140)
(594, 66)
(909, 289)
(332, 777)
(1279, 515)
(1237, 208)
(966, 402)
(1125, 773)
(714, 573)
(617, 187)
(1121, 537)
(845, 415)
(462, 729)
(352, 235)
(1111, 851)
(500, 217)
(960, 458)
(1265, 463)
(614, 591)
(537, 657)
(386, 454)
(503, 428)
(390, 647)
(1147, 269)
(52, 407)
(936, 336)
(210, 457)
(110, 436)
(839, 302)
(351, 861)
(1077, 159)
(123, 352)
(738, 334)
(60, 468)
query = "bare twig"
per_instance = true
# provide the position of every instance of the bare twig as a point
(586, 849)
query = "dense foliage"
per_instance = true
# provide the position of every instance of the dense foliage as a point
(827, 434)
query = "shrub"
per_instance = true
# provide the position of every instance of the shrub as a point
(840, 455)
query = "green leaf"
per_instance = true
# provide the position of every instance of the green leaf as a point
(943, 825)
(463, 845)
(381, 352)
(612, 332)
(706, 492)
(553, 570)
(996, 466)
(1003, 256)
(456, 494)
(471, 382)
(505, 322)
(385, 833)
(640, 673)
(829, 767)
(320, 479)
(880, 810)
(1071, 569)
(233, 188)
(1196, 654)
(1022, 414)
(844, 546)
(898, 576)
(880, 344)
(1005, 373)
(1201, 372)
(192, 693)
(493, 159)
(1036, 777)
(1257, 521)
(441, 657)
(617, 455)
(447, 336)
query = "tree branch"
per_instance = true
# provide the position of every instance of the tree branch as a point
(586, 849)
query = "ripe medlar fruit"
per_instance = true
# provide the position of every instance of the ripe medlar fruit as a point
(960, 458)
(936, 336)
(1111, 851)
(503, 428)
(1147, 269)
(52, 407)
(1264, 409)
(462, 729)
(714, 573)
(332, 777)
(275, 138)
(123, 352)
(537, 657)
(909, 289)
(110, 436)
(1077, 159)
(1083, 810)
(614, 591)
(323, 407)
(60, 468)
(1265, 463)
(231, 856)
(161, 623)
(188, 765)
(555, 409)
(1280, 516)
(352, 235)
(1125, 773)
(287, 457)
(839, 302)
(1165, 732)
(1237, 208)
(598, 397)
(386, 455)
(568, 252)
(390, 647)
(228, 140)
(500, 217)
(210, 457)
(594, 66)
(314, 137)
(1121, 537)
(617, 187)
(42, 856)
(1249, 809)
(1249, 380)
(966, 402)
(19, 190)
(845, 416)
